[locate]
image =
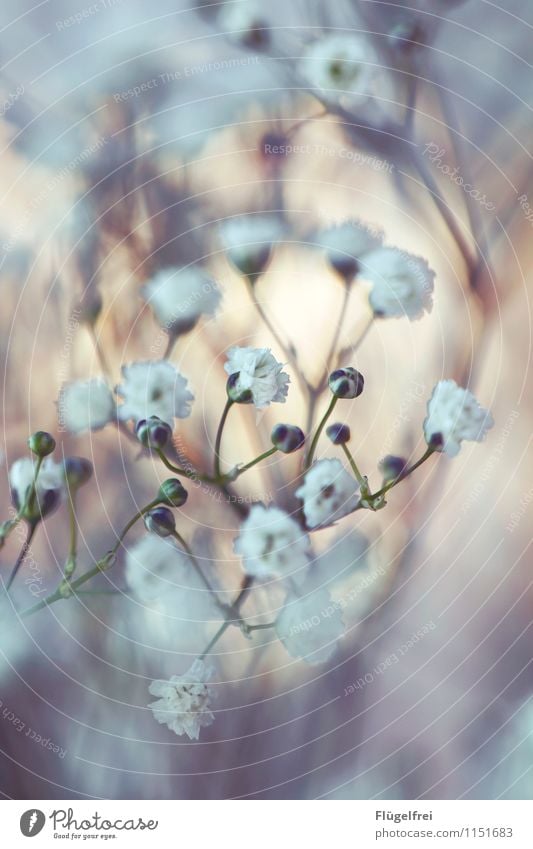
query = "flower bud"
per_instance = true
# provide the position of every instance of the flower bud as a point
(153, 432)
(346, 382)
(42, 443)
(345, 265)
(78, 471)
(338, 433)
(287, 438)
(173, 493)
(392, 467)
(235, 393)
(160, 521)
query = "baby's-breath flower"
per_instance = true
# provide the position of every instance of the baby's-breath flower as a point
(402, 284)
(271, 543)
(154, 567)
(41, 443)
(392, 467)
(160, 521)
(310, 626)
(49, 489)
(338, 433)
(173, 492)
(342, 64)
(287, 438)
(184, 702)
(346, 382)
(244, 23)
(77, 470)
(153, 432)
(248, 241)
(154, 388)
(346, 244)
(328, 493)
(454, 414)
(259, 373)
(180, 296)
(86, 405)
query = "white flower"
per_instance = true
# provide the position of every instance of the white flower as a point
(402, 283)
(248, 241)
(271, 543)
(154, 388)
(243, 23)
(260, 373)
(154, 566)
(345, 244)
(86, 405)
(342, 64)
(328, 493)
(309, 626)
(50, 486)
(179, 296)
(184, 701)
(453, 415)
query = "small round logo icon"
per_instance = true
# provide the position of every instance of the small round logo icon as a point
(32, 822)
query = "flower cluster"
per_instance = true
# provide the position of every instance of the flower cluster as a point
(275, 544)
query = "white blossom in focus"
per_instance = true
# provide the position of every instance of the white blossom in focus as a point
(248, 241)
(86, 405)
(329, 492)
(180, 296)
(154, 388)
(184, 702)
(271, 543)
(402, 284)
(310, 626)
(454, 414)
(342, 64)
(259, 372)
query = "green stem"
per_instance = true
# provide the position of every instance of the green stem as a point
(100, 566)
(23, 552)
(191, 474)
(360, 479)
(195, 563)
(261, 627)
(335, 338)
(218, 440)
(104, 365)
(404, 474)
(172, 339)
(234, 608)
(319, 430)
(257, 460)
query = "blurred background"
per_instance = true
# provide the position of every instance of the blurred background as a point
(128, 133)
